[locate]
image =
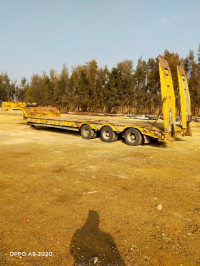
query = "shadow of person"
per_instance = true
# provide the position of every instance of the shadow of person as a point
(91, 246)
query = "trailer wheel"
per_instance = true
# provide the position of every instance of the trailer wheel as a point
(87, 132)
(107, 134)
(133, 137)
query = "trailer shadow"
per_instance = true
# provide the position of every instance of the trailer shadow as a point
(22, 123)
(58, 130)
(89, 244)
(178, 139)
(157, 144)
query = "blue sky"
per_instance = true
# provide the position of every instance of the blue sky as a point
(37, 35)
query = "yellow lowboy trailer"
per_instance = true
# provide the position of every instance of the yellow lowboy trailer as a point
(134, 132)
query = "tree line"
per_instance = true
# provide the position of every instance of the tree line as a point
(122, 89)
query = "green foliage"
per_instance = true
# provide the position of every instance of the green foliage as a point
(194, 86)
(126, 86)
(140, 78)
(198, 55)
(7, 88)
(193, 74)
(119, 90)
(153, 86)
(111, 92)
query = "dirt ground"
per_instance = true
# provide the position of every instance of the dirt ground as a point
(86, 202)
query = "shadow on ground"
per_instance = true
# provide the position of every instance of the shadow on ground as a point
(157, 144)
(178, 139)
(90, 245)
(57, 130)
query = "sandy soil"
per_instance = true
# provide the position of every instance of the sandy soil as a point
(95, 203)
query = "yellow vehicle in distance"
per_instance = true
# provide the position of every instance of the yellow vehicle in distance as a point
(16, 105)
(31, 109)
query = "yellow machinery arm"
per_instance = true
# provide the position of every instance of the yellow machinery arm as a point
(168, 97)
(184, 100)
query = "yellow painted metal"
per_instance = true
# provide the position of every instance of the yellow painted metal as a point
(168, 97)
(37, 112)
(32, 111)
(15, 105)
(184, 100)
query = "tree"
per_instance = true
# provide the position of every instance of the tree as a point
(140, 78)
(47, 90)
(121, 90)
(79, 81)
(91, 77)
(21, 90)
(73, 90)
(153, 86)
(198, 55)
(101, 88)
(111, 92)
(61, 89)
(194, 87)
(126, 86)
(34, 93)
(7, 88)
(186, 64)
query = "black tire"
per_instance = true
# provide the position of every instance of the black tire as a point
(87, 132)
(133, 137)
(107, 134)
